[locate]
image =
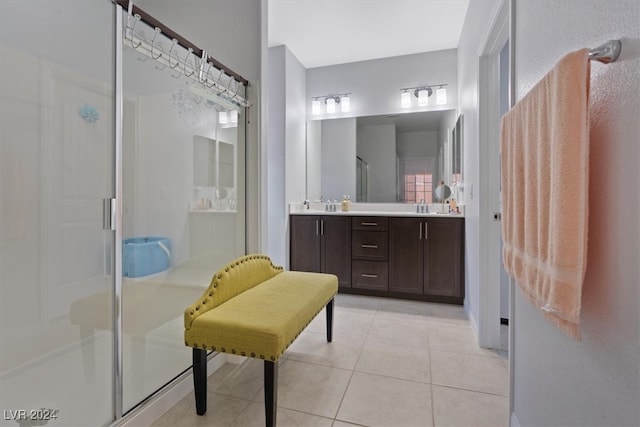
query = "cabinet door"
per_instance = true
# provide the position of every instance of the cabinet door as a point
(305, 243)
(406, 254)
(443, 257)
(336, 248)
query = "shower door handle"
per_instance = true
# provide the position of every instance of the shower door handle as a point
(109, 214)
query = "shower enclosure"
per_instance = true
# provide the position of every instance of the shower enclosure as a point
(99, 116)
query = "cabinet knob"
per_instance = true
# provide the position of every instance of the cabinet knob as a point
(370, 246)
(370, 223)
(371, 276)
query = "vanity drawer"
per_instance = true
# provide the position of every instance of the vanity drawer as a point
(370, 245)
(370, 223)
(370, 275)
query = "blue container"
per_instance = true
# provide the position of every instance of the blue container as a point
(142, 256)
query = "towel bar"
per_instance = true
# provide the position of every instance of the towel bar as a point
(606, 52)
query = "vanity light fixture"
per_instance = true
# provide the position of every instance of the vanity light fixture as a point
(315, 107)
(405, 99)
(331, 102)
(423, 93)
(331, 105)
(345, 103)
(441, 95)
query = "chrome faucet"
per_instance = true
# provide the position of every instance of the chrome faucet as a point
(422, 207)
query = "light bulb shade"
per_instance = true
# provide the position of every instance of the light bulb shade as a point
(223, 119)
(331, 105)
(423, 97)
(234, 116)
(405, 99)
(316, 107)
(345, 103)
(441, 96)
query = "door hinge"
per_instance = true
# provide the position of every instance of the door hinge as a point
(497, 216)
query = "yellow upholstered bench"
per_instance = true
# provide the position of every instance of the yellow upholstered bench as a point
(254, 309)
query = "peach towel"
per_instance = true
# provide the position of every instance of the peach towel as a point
(545, 175)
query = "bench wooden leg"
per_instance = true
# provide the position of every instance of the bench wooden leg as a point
(200, 379)
(270, 392)
(329, 309)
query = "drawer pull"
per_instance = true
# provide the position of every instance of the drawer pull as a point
(370, 223)
(370, 246)
(372, 276)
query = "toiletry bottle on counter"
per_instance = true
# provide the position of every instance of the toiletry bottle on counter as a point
(453, 206)
(345, 204)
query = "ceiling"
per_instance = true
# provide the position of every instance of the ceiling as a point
(329, 32)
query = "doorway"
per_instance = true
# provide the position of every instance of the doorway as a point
(494, 101)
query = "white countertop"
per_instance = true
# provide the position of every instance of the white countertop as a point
(375, 209)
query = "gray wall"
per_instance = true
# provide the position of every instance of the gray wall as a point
(338, 158)
(375, 85)
(559, 381)
(376, 145)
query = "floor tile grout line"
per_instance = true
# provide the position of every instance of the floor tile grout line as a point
(470, 390)
(394, 378)
(344, 393)
(468, 354)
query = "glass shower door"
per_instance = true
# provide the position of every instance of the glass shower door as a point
(56, 168)
(183, 206)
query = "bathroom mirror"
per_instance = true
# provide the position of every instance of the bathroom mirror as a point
(385, 158)
(214, 163)
(204, 161)
(456, 152)
(225, 164)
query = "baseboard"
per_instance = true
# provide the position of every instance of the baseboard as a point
(163, 400)
(514, 420)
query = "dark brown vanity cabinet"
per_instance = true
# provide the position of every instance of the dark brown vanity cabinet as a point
(322, 243)
(426, 256)
(403, 257)
(370, 253)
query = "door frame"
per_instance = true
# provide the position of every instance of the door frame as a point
(489, 130)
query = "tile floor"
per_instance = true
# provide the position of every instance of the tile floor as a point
(391, 363)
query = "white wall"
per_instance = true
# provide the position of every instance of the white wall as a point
(338, 158)
(417, 144)
(314, 160)
(375, 85)
(275, 152)
(559, 381)
(476, 25)
(295, 134)
(444, 140)
(376, 145)
(286, 150)
(232, 33)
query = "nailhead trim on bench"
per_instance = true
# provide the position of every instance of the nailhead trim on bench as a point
(252, 354)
